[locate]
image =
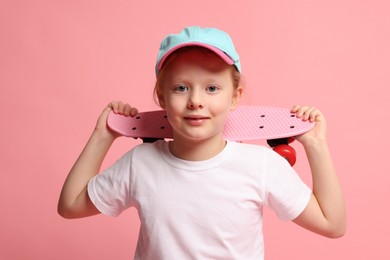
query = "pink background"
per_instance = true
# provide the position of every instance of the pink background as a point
(61, 62)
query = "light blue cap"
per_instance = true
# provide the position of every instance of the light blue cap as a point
(211, 38)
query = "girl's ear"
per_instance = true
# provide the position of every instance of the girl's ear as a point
(158, 97)
(237, 97)
(161, 101)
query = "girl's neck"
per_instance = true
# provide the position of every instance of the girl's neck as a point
(197, 150)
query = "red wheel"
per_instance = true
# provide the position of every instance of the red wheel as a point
(287, 152)
(290, 140)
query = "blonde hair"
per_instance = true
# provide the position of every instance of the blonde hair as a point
(158, 91)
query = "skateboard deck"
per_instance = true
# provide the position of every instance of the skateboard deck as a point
(244, 123)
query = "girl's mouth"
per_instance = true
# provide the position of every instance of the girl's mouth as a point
(195, 120)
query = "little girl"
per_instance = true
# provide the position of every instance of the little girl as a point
(199, 196)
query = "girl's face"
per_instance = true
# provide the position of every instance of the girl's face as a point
(197, 95)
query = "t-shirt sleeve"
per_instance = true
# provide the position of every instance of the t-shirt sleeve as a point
(109, 191)
(286, 194)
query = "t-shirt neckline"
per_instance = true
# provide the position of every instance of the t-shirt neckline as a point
(194, 166)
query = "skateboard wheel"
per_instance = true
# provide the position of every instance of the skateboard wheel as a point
(279, 141)
(287, 152)
(290, 140)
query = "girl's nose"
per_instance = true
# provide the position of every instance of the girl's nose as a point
(195, 100)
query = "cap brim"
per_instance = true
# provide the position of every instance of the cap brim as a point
(217, 51)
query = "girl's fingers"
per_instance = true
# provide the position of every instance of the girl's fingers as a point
(114, 106)
(295, 108)
(133, 111)
(306, 112)
(121, 108)
(126, 109)
(129, 110)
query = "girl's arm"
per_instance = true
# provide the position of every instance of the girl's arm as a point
(325, 214)
(74, 201)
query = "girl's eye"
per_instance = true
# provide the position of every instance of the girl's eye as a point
(212, 89)
(181, 88)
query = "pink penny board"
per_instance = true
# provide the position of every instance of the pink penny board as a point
(244, 123)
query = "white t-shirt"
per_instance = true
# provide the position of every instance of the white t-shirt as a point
(208, 209)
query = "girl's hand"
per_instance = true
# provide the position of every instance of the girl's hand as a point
(325, 213)
(312, 114)
(117, 107)
(74, 200)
